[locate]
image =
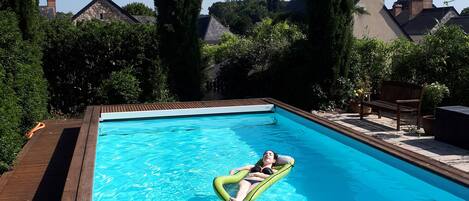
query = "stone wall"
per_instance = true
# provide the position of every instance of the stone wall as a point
(103, 10)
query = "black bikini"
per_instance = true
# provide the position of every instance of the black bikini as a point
(256, 168)
(266, 170)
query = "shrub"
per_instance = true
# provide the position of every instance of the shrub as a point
(121, 87)
(433, 95)
(370, 64)
(446, 62)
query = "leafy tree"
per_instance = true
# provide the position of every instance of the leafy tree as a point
(441, 57)
(330, 38)
(137, 8)
(446, 53)
(260, 64)
(240, 16)
(179, 46)
(465, 11)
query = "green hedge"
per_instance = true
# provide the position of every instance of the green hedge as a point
(23, 92)
(79, 58)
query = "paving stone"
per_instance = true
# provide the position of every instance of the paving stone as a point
(408, 138)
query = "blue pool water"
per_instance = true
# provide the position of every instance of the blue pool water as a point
(170, 159)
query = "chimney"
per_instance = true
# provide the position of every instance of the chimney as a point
(51, 5)
(427, 4)
(416, 6)
(396, 9)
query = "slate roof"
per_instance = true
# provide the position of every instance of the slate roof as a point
(462, 21)
(112, 4)
(406, 3)
(210, 29)
(145, 19)
(426, 20)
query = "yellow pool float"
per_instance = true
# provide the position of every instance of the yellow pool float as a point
(283, 166)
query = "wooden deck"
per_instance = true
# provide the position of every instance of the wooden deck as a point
(41, 167)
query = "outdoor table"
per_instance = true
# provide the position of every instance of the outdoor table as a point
(452, 125)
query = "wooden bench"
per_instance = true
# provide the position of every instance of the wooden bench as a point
(397, 97)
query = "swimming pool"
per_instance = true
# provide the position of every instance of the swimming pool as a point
(177, 158)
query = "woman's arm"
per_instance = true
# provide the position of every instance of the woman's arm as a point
(247, 167)
(259, 174)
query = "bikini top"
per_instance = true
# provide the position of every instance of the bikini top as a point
(266, 170)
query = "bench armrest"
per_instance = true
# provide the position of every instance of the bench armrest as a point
(408, 101)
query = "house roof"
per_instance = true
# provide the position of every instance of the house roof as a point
(210, 29)
(427, 20)
(391, 16)
(145, 19)
(461, 21)
(406, 4)
(111, 3)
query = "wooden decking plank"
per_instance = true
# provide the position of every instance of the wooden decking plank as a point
(73, 177)
(89, 158)
(35, 167)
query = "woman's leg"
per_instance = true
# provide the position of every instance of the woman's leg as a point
(252, 186)
(244, 187)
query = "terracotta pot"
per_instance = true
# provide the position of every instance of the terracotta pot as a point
(427, 124)
(355, 107)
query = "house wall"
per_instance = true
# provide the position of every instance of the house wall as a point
(102, 10)
(377, 24)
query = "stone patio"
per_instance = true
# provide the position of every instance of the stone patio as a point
(408, 138)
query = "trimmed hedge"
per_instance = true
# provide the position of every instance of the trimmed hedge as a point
(23, 92)
(79, 58)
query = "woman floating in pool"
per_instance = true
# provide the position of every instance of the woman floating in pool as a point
(257, 173)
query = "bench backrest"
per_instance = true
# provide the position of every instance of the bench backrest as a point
(392, 91)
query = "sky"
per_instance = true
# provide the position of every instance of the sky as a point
(75, 5)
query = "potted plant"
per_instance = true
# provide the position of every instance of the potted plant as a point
(433, 95)
(361, 92)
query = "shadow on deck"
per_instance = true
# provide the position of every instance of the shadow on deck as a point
(42, 166)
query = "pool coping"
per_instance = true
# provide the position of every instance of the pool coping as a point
(79, 183)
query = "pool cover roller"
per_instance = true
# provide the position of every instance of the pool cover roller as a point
(283, 166)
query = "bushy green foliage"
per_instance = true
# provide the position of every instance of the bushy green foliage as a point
(179, 46)
(121, 87)
(433, 95)
(330, 39)
(137, 8)
(23, 94)
(370, 64)
(465, 11)
(441, 57)
(241, 16)
(406, 58)
(252, 65)
(77, 58)
(446, 56)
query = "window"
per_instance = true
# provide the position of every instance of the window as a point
(101, 16)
